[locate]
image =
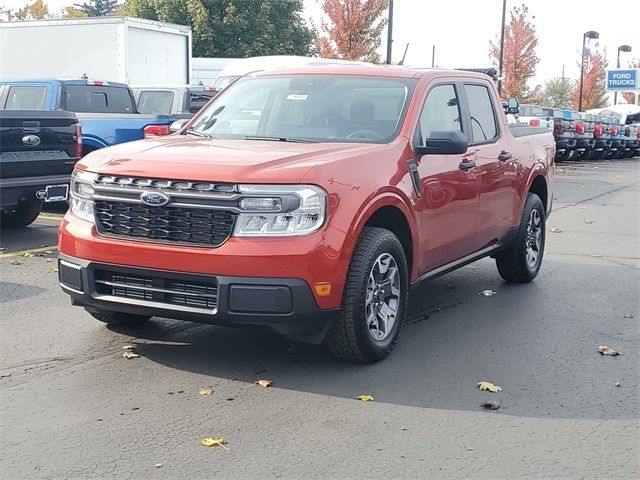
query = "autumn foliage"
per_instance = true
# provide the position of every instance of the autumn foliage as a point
(33, 11)
(630, 97)
(594, 89)
(519, 59)
(353, 31)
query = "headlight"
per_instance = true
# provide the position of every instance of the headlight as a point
(280, 210)
(81, 192)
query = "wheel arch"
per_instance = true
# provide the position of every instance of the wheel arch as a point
(538, 184)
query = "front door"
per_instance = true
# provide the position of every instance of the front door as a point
(449, 189)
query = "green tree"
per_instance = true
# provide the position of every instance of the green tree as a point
(97, 8)
(557, 93)
(234, 28)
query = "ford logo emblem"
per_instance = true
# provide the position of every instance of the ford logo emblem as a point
(31, 140)
(154, 199)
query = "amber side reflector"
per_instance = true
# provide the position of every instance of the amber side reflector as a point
(323, 289)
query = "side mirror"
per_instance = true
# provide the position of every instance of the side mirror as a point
(444, 142)
(177, 125)
(513, 106)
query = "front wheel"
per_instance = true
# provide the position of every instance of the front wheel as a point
(375, 299)
(521, 262)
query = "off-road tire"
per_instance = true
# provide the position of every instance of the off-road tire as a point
(349, 337)
(21, 216)
(118, 318)
(512, 263)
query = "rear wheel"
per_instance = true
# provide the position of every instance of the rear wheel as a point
(22, 215)
(521, 262)
(118, 318)
(374, 301)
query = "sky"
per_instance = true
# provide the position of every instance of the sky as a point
(461, 30)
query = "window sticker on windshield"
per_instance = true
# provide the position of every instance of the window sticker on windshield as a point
(295, 96)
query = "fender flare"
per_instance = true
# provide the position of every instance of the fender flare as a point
(537, 170)
(93, 141)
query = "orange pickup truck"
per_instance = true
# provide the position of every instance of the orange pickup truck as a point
(309, 202)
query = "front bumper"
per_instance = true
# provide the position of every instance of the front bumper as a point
(285, 306)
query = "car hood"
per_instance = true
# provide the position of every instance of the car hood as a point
(189, 158)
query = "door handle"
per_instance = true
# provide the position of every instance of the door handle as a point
(504, 156)
(467, 165)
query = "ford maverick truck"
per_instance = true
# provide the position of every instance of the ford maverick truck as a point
(309, 202)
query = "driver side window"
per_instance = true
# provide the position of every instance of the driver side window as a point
(440, 111)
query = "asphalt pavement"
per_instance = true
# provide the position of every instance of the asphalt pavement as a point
(72, 407)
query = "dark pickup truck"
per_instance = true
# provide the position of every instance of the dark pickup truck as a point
(38, 150)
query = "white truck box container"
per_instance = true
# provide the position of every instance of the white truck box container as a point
(119, 49)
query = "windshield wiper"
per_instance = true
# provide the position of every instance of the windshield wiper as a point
(197, 133)
(277, 139)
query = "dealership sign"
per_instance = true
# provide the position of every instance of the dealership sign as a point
(623, 80)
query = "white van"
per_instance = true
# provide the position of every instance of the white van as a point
(240, 67)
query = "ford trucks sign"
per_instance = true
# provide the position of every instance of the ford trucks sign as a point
(623, 80)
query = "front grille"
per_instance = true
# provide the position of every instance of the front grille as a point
(192, 226)
(178, 292)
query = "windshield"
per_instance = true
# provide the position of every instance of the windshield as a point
(317, 108)
(222, 82)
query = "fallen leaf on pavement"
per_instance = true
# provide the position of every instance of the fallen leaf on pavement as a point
(52, 270)
(205, 391)
(586, 220)
(555, 230)
(128, 347)
(628, 315)
(489, 386)
(605, 350)
(128, 354)
(490, 405)
(366, 398)
(158, 465)
(596, 255)
(15, 262)
(213, 442)
(617, 384)
(487, 293)
(264, 383)
(448, 285)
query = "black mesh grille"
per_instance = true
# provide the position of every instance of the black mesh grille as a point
(189, 293)
(196, 226)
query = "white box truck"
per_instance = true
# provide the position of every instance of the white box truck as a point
(119, 49)
(206, 70)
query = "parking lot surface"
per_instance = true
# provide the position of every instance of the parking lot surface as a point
(72, 407)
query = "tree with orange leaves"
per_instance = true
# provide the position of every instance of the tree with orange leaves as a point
(630, 97)
(354, 29)
(519, 59)
(34, 11)
(594, 88)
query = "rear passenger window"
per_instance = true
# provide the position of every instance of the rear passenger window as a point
(440, 111)
(25, 98)
(156, 102)
(483, 118)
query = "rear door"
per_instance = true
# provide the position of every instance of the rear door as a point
(449, 194)
(496, 163)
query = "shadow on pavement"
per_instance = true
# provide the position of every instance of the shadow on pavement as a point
(538, 341)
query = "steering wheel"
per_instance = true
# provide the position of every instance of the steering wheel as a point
(364, 134)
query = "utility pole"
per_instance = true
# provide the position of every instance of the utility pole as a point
(390, 32)
(433, 57)
(404, 55)
(504, 15)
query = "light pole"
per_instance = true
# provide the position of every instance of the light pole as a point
(504, 14)
(390, 32)
(621, 48)
(593, 35)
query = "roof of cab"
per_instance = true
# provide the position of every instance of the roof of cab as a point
(369, 70)
(66, 81)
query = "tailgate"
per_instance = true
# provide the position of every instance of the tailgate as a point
(37, 143)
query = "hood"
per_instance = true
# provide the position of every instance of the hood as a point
(188, 158)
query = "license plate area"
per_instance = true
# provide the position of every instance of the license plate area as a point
(56, 193)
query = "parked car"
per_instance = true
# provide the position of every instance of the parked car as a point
(176, 100)
(584, 125)
(38, 151)
(602, 136)
(258, 213)
(564, 134)
(106, 110)
(536, 116)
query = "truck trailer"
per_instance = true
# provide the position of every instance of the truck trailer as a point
(118, 49)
